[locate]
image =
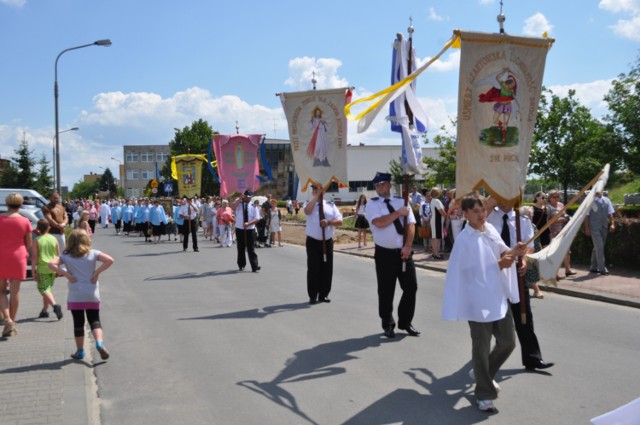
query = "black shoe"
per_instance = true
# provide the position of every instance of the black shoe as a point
(58, 311)
(43, 315)
(389, 333)
(241, 268)
(256, 269)
(196, 250)
(593, 271)
(539, 365)
(324, 300)
(604, 273)
(313, 301)
(410, 330)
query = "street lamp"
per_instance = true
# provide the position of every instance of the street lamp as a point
(105, 43)
(120, 171)
(54, 149)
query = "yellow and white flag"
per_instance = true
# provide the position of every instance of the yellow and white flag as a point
(499, 88)
(551, 257)
(318, 133)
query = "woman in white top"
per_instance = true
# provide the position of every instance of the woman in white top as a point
(274, 226)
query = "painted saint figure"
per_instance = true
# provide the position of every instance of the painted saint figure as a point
(503, 95)
(318, 148)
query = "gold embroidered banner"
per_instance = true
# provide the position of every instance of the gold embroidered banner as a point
(187, 170)
(499, 88)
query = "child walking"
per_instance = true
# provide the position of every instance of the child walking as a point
(45, 249)
(84, 290)
(478, 289)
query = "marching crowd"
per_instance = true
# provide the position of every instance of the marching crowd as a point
(481, 284)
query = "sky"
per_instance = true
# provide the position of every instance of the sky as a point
(172, 63)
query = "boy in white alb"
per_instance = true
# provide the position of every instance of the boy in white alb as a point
(478, 289)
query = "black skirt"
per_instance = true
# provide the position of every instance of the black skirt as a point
(362, 222)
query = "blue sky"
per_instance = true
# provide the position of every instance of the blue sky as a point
(174, 62)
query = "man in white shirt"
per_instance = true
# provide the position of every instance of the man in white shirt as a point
(247, 215)
(393, 255)
(189, 213)
(322, 218)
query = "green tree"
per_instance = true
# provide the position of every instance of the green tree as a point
(25, 165)
(624, 103)
(84, 189)
(442, 170)
(107, 182)
(194, 140)
(569, 145)
(9, 176)
(44, 181)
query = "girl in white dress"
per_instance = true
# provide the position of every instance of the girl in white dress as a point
(274, 227)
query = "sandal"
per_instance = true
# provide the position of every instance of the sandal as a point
(539, 295)
(9, 330)
(570, 273)
(78, 355)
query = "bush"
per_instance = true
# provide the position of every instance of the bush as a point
(621, 249)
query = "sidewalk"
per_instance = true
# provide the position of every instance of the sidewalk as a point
(39, 383)
(621, 287)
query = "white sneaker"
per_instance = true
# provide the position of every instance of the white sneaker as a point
(486, 406)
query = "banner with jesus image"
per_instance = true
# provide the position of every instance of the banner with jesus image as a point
(499, 89)
(237, 159)
(318, 133)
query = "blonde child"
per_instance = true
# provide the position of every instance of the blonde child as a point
(84, 290)
(83, 223)
(45, 249)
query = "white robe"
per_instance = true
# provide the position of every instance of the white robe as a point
(105, 213)
(475, 287)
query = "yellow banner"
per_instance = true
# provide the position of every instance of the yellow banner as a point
(187, 170)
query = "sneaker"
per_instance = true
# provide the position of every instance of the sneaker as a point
(58, 311)
(486, 406)
(104, 354)
(43, 315)
(78, 355)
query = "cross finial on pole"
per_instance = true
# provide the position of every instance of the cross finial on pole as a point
(501, 18)
(237, 128)
(313, 79)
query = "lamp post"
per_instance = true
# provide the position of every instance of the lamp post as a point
(105, 43)
(54, 150)
(120, 171)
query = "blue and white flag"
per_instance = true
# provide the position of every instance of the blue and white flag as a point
(405, 113)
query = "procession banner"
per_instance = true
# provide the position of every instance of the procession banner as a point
(499, 88)
(187, 170)
(237, 157)
(549, 259)
(318, 134)
(405, 112)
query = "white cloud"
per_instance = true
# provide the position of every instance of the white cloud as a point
(326, 73)
(589, 94)
(487, 1)
(433, 15)
(616, 6)
(625, 28)
(452, 62)
(14, 3)
(536, 25)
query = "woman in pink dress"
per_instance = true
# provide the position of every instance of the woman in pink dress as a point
(15, 244)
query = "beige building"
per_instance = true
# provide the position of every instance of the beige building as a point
(140, 167)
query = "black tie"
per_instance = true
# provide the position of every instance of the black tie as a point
(506, 237)
(245, 212)
(396, 222)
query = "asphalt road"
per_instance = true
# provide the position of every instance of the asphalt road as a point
(193, 341)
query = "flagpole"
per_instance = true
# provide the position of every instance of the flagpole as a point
(321, 217)
(521, 283)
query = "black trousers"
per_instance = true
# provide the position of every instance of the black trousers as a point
(529, 346)
(388, 270)
(319, 272)
(246, 240)
(190, 227)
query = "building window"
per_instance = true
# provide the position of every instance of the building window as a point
(132, 174)
(146, 157)
(131, 157)
(146, 174)
(162, 157)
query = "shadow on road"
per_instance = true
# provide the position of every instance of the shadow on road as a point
(254, 313)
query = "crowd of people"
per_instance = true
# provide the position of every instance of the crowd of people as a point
(484, 237)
